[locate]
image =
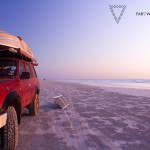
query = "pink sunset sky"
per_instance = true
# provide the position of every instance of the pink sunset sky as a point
(80, 39)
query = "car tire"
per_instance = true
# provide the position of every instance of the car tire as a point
(34, 106)
(9, 133)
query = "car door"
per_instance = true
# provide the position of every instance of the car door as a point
(31, 83)
(24, 85)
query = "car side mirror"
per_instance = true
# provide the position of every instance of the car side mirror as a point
(25, 75)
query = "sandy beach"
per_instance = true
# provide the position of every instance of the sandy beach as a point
(96, 119)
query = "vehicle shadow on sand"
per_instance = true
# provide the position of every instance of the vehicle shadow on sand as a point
(42, 108)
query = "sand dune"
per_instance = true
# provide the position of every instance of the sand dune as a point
(95, 120)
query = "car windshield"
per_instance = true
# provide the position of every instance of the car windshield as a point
(7, 68)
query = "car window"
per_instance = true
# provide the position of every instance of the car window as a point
(28, 69)
(33, 72)
(8, 68)
(22, 68)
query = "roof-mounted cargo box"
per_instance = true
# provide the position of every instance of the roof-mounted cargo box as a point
(15, 44)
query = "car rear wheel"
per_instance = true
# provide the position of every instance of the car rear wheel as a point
(34, 106)
(9, 133)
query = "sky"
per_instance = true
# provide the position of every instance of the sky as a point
(80, 39)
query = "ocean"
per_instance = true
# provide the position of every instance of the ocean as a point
(124, 83)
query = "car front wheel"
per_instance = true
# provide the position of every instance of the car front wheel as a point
(9, 133)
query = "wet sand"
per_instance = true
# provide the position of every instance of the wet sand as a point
(96, 119)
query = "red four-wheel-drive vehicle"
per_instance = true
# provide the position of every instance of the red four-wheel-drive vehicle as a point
(19, 87)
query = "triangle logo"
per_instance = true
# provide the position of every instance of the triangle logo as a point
(118, 16)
